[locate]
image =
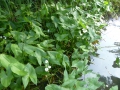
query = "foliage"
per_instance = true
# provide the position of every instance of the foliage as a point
(114, 88)
(47, 44)
(117, 62)
(116, 5)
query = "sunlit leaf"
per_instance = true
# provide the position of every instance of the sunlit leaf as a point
(65, 61)
(93, 83)
(69, 83)
(29, 49)
(32, 73)
(19, 36)
(38, 30)
(25, 80)
(17, 70)
(47, 43)
(16, 50)
(5, 79)
(39, 57)
(16, 67)
(55, 57)
(65, 75)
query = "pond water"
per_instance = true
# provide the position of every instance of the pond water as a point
(109, 50)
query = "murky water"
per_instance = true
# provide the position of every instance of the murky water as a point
(109, 50)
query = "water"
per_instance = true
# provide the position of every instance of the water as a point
(103, 64)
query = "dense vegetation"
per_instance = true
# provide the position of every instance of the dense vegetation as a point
(46, 44)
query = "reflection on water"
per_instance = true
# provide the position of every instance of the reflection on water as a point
(109, 82)
(110, 49)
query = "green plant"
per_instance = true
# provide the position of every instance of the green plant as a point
(49, 43)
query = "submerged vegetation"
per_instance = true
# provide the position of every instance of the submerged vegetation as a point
(46, 44)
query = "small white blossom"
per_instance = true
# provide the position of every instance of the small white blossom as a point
(46, 69)
(49, 66)
(106, 85)
(4, 37)
(46, 61)
(84, 4)
(48, 30)
(84, 30)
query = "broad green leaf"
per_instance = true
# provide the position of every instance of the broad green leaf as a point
(38, 30)
(31, 40)
(65, 61)
(29, 49)
(83, 47)
(75, 15)
(55, 21)
(19, 36)
(65, 75)
(25, 80)
(32, 73)
(80, 65)
(82, 23)
(69, 83)
(55, 87)
(15, 49)
(40, 70)
(33, 51)
(5, 79)
(72, 74)
(6, 60)
(61, 37)
(106, 3)
(55, 57)
(68, 22)
(39, 57)
(16, 85)
(32, 60)
(16, 67)
(76, 54)
(92, 34)
(117, 61)
(44, 10)
(18, 70)
(93, 83)
(47, 43)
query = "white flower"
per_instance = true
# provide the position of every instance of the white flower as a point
(84, 4)
(48, 30)
(46, 61)
(46, 69)
(4, 37)
(106, 85)
(84, 30)
(49, 66)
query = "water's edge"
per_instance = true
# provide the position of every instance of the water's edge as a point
(110, 49)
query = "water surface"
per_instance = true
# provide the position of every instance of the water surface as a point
(109, 50)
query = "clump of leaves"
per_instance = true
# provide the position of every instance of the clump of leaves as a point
(48, 45)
